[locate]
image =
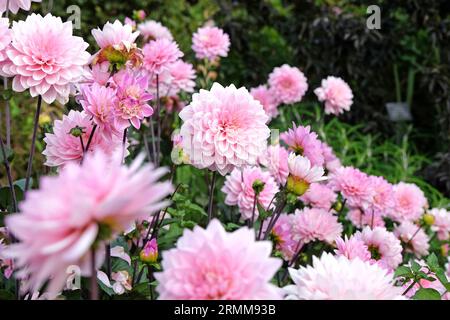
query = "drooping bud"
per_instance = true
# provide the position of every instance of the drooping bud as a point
(258, 186)
(77, 131)
(150, 252)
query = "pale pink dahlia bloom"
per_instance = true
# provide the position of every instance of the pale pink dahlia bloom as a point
(319, 196)
(59, 223)
(239, 190)
(300, 169)
(303, 141)
(352, 248)
(410, 202)
(152, 30)
(62, 147)
(332, 162)
(267, 99)
(413, 237)
(115, 35)
(224, 128)
(383, 201)
(383, 245)
(338, 278)
(97, 73)
(361, 218)
(45, 57)
(281, 235)
(159, 54)
(132, 98)
(276, 161)
(336, 94)
(441, 223)
(211, 264)
(354, 185)
(315, 225)
(99, 103)
(210, 43)
(15, 5)
(5, 38)
(182, 77)
(288, 84)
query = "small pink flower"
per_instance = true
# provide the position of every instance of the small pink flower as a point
(276, 161)
(150, 252)
(210, 43)
(99, 102)
(414, 238)
(315, 225)
(153, 30)
(15, 5)
(410, 202)
(288, 84)
(338, 278)
(224, 128)
(282, 236)
(267, 99)
(115, 35)
(332, 163)
(132, 98)
(441, 223)
(211, 264)
(354, 185)
(336, 94)
(383, 201)
(97, 73)
(5, 38)
(303, 141)
(352, 248)
(300, 168)
(45, 57)
(59, 223)
(159, 54)
(130, 22)
(182, 77)
(239, 190)
(319, 196)
(383, 245)
(364, 218)
(63, 147)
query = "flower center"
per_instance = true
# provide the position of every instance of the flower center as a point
(374, 252)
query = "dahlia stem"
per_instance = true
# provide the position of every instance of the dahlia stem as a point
(373, 219)
(91, 136)
(147, 147)
(415, 233)
(7, 106)
(33, 143)
(124, 140)
(254, 210)
(275, 216)
(150, 279)
(94, 285)
(211, 196)
(152, 129)
(158, 121)
(108, 260)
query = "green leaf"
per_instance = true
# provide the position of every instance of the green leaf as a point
(403, 271)
(415, 266)
(9, 154)
(433, 262)
(427, 294)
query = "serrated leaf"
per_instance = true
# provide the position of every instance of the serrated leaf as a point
(403, 271)
(433, 262)
(427, 294)
(415, 267)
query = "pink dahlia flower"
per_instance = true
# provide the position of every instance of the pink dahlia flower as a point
(182, 77)
(115, 35)
(276, 161)
(413, 237)
(332, 162)
(315, 225)
(15, 5)
(319, 196)
(211, 264)
(267, 99)
(338, 278)
(336, 94)
(152, 30)
(354, 185)
(239, 190)
(59, 223)
(159, 55)
(281, 235)
(210, 43)
(410, 202)
(63, 146)
(361, 218)
(383, 201)
(288, 84)
(441, 223)
(383, 245)
(300, 168)
(132, 98)
(352, 248)
(5, 38)
(304, 142)
(224, 128)
(45, 57)
(99, 102)
(98, 73)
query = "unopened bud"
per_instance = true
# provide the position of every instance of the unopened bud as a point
(428, 219)
(258, 186)
(297, 186)
(150, 252)
(77, 131)
(337, 206)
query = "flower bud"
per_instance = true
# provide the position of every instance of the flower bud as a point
(297, 186)
(428, 219)
(77, 131)
(258, 186)
(150, 252)
(337, 206)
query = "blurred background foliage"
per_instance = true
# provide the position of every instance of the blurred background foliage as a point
(322, 37)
